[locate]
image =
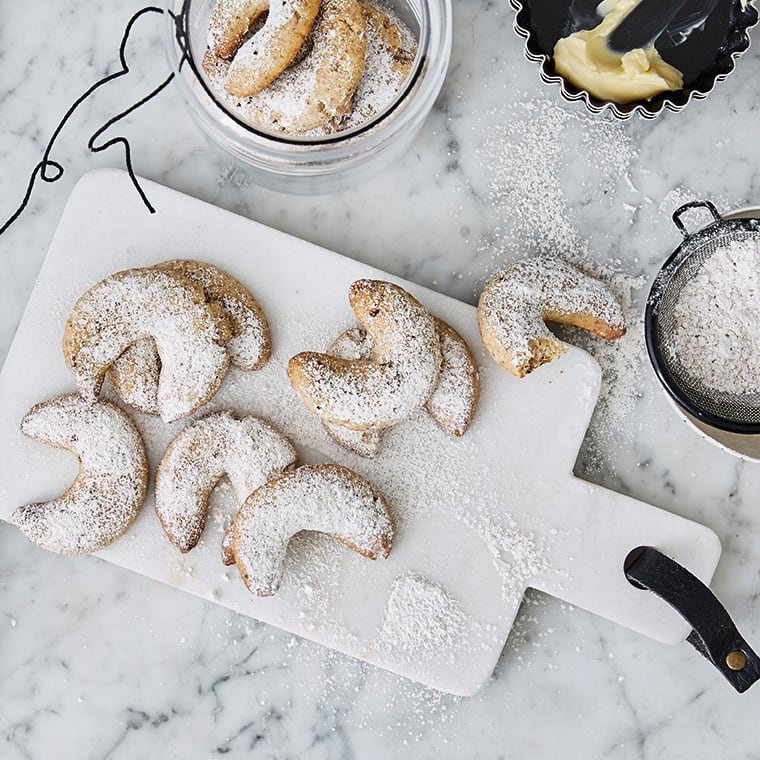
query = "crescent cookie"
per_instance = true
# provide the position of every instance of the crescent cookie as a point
(452, 403)
(229, 23)
(148, 303)
(318, 90)
(519, 299)
(354, 344)
(248, 451)
(109, 490)
(135, 373)
(455, 398)
(326, 498)
(392, 52)
(260, 60)
(395, 383)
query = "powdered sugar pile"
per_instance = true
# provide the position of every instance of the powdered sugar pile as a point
(716, 338)
(422, 621)
(516, 555)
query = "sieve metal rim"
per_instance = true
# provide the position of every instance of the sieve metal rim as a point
(651, 314)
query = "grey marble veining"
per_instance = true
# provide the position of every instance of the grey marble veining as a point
(96, 662)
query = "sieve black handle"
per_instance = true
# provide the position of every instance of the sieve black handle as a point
(693, 204)
(714, 634)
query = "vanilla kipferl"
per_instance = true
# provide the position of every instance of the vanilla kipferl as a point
(136, 304)
(326, 498)
(392, 385)
(352, 62)
(518, 300)
(261, 59)
(135, 374)
(249, 451)
(110, 488)
(452, 403)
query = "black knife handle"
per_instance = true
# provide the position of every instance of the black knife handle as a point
(714, 634)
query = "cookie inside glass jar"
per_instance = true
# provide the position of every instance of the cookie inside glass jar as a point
(272, 72)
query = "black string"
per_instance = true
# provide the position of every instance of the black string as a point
(43, 169)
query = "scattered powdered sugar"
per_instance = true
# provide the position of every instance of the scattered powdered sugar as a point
(111, 485)
(524, 157)
(516, 555)
(716, 338)
(422, 622)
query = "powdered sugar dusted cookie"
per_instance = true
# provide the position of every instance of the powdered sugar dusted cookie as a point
(230, 22)
(248, 451)
(391, 48)
(326, 498)
(519, 299)
(250, 345)
(318, 90)
(353, 344)
(135, 373)
(452, 403)
(261, 59)
(455, 398)
(149, 303)
(395, 383)
(110, 488)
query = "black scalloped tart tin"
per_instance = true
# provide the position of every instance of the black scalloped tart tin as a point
(706, 57)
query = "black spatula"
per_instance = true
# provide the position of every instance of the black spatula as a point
(643, 25)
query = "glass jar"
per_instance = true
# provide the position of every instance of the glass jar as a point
(295, 164)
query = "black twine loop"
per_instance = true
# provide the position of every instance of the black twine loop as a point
(51, 171)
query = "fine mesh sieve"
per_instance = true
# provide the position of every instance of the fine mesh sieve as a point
(733, 412)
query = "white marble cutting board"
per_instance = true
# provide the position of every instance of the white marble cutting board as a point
(478, 519)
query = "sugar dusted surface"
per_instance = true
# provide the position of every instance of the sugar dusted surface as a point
(430, 501)
(423, 621)
(564, 674)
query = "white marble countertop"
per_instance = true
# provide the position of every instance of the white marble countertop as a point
(96, 662)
